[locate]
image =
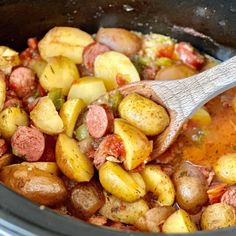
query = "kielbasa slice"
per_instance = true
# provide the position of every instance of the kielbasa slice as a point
(22, 81)
(229, 197)
(28, 143)
(99, 120)
(91, 52)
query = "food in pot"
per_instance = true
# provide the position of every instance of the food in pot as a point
(68, 144)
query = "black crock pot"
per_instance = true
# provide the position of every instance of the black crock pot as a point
(208, 24)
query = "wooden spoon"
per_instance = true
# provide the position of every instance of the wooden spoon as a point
(183, 97)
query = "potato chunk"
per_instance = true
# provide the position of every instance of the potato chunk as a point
(2, 91)
(120, 183)
(160, 184)
(71, 161)
(10, 119)
(202, 117)
(218, 215)
(60, 72)
(144, 114)
(179, 222)
(69, 114)
(137, 146)
(225, 168)
(121, 211)
(88, 89)
(64, 41)
(112, 65)
(46, 118)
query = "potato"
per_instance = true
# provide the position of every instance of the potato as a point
(50, 167)
(137, 146)
(119, 40)
(121, 211)
(71, 161)
(64, 41)
(144, 114)
(37, 66)
(159, 183)
(152, 220)
(2, 92)
(191, 187)
(37, 185)
(175, 72)
(85, 199)
(69, 114)
(88, 89)
(179, 222)
(225, 168)
(46, 118)
(120, 183)
(201, 117)
(8, 59)
(10, 119)
(6, 160)
(218, 215)
(111, 65)
(60, 72)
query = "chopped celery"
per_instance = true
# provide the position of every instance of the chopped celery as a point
(81, 132)
(115, 100)
(57, 97)
(163, 61)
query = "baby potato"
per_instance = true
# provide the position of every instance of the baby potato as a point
(191, 187)
(218, 215)
(175, 72)
(71, 161)
(8, 59)
(10, 119)
(137, 146)
(112, 65)
(225, 168)
(160, 184)
(50, 167)
(60, 72)
(69, 114)
(2, 92)
(120, 183)
(121, 211)
(37, 185)
(201, 117)
(179, 222)
(46, 118)
(120, 40)
(64, 41)
(144, 114)
(88, 89)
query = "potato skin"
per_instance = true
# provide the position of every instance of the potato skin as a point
(144, 114)
(191, 187)
(37, 185)
(218, 215)
(225, 168)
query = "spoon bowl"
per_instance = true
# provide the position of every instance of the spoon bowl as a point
(183, 97)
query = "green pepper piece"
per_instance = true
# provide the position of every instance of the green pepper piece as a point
(57, 97)
(81, 132)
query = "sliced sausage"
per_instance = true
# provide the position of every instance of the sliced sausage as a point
(99, 120)
(111, 145)
(229, 196)
(97, 220)
(12, 102)
(119, 40)
(22, 81)
(189, 55)
(28, 143)
(91, 52)
(3, 147)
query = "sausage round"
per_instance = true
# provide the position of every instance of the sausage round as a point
(229, 197)
(28, 143)
(91, 52)
(99, 120)
(22, 81)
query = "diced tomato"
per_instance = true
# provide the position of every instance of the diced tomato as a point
(215, 192)
(32, 43)
(166, 50)
(120, 80)
(188, 55)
